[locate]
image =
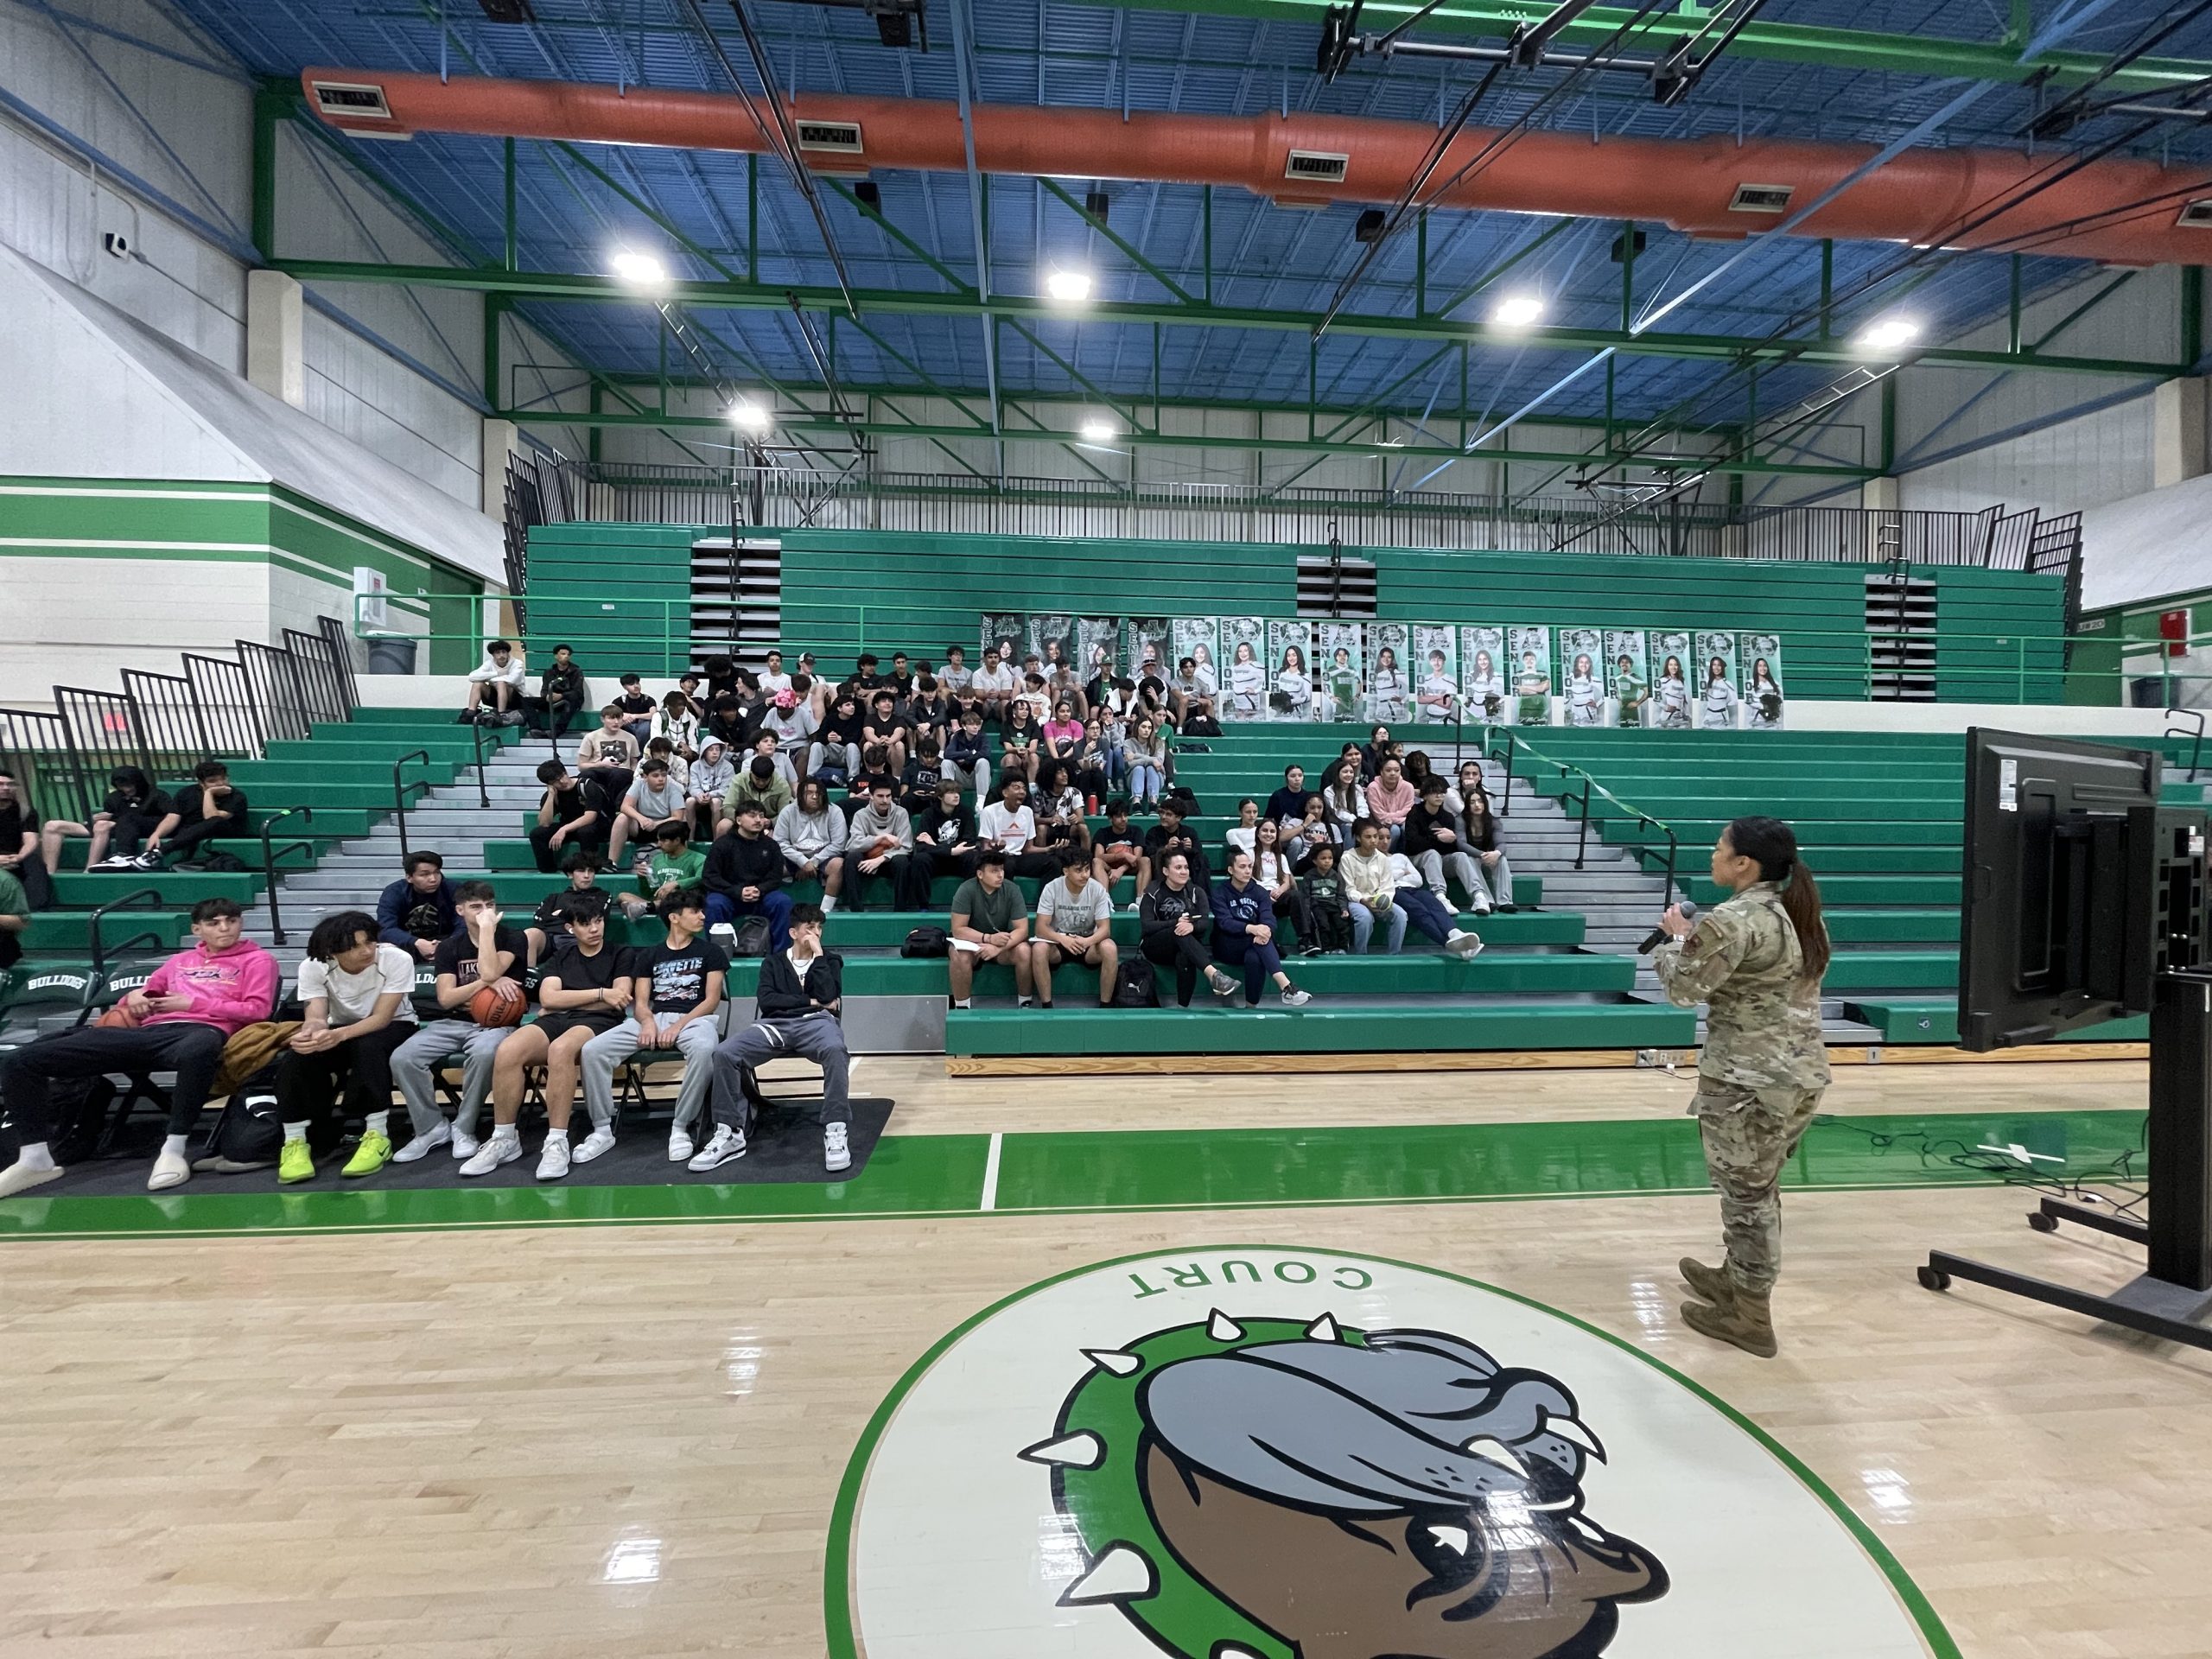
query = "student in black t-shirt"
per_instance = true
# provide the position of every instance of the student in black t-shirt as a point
(19, 827)
(636, 710)
(209, 809)
(1118, 850)
(549, 927)
(484, 951)
(133, 809)
(678, 985)
(585, 990)
(576, 809)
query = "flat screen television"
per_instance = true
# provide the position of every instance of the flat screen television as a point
(2061, 925)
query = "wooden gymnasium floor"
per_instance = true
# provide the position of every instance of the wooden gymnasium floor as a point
(553, 1440)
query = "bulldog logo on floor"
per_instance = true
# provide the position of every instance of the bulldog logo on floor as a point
(1267, 1453)
(1350, 1493)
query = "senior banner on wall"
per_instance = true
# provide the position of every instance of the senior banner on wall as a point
(1290, 689)
(1434, 669)
(1146, 643)
(1390, 693)
(1717, 697)
(1051, 640)
(1580, 651)
(1245, 680)
(1673, 679)
(1095, 638)
(1003, 632)
(1758, 656)
(1529, 648)
(1628, 675)
(1340, 649)
(1199, 637)
(1482, 673)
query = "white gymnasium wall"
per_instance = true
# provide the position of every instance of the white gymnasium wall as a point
(182, 123)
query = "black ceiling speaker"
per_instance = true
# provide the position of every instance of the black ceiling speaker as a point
(507, 11)
(1096, 202)
(1369, 227)
(869, 196)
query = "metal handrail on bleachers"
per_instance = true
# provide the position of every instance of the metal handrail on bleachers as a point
(99, 914)
(2195, 736)
(1643, 820)
(270, 855)
(400, 793)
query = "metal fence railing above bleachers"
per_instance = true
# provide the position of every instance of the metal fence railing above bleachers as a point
(165, 724)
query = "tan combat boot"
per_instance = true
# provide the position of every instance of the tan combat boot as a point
(1744, 1322)
(1707, 1284)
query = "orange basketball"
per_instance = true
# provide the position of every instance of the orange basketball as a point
(494, 1006)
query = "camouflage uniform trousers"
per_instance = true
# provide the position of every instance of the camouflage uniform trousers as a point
(1749, 1134)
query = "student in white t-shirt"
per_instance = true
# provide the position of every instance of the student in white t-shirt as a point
(994, 684)
(358, 995)
(1009, 825)
(1074, 923)
(772, 678)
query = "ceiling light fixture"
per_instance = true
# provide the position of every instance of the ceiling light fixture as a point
(1069, 287)
(1517, 310)
(1888, 334)
(1097, 431)
(641, 270)
(748, 415)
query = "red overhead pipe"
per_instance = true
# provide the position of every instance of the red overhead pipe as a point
(2121, 212)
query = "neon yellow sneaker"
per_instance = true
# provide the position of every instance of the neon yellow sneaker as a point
(372, 1155)
(295, 1162)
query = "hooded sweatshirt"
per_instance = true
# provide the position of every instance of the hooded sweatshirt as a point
(712, 774)
(869, 826)
(229, 990)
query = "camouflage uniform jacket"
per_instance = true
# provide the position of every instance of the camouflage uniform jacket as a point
(1763, 1027)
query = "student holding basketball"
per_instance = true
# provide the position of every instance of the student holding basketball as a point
(585, 990)
(480, 999)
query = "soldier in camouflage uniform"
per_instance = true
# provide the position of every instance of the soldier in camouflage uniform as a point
(1761, 1073)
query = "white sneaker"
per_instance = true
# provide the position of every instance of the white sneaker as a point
(499, 1149)
(423, 1144)
(836, 1152)
(553, 1162)
(170, 1169)
(116, 861)
(16, 1178)
(1463, 944)
(728, 1144)
(146, 861)
(464, 1144)
(1294, 998)
(679, 1145)
(1226, 988)
(598, 1141)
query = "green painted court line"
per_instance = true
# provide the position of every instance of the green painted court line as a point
(1102, 1171)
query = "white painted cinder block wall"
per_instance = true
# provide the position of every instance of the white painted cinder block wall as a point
(135, 613)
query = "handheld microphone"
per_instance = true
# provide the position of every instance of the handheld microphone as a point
(1657, 937)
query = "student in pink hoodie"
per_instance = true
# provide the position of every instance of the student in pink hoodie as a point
(189, 1008)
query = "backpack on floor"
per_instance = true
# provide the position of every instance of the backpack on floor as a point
(750, 938)
(77, 1108)
(1133, 985)
(1202, 725)
(927, 942)
(1183, 798)
(250, 1133)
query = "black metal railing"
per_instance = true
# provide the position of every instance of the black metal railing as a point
(275, 677)
(2196, 735)
(40, 748)
(222, 693)
(341, 661)
(128, 901)
(167, 715)
(271, 853)
(400, 793)
(322, 688)
(104, 728)
(1590, 786)
(476, 729)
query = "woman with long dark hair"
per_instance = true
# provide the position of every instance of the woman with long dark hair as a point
(1755, 959)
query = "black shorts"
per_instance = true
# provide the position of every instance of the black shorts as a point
(558, 1025)
(1061, 955)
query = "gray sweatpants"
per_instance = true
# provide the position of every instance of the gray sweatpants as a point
(696, 1042)
(415, 1065)
(816, 1037)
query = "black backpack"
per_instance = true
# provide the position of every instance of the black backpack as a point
(1133, 987)
(751, 937)
(77, 1110)
(927, 942)
(250, 1132)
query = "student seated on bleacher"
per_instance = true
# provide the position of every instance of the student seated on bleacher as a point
(1058, 809)
(1145, 753)
(1305, 836)
(1074, 923)
(1429, 914)
(879, 841)
(132, 812)
(653, 799)
(1323, 889)
(576, 811)
(1239, 837)
(610, 754)
(19, 834)
(885, 726)
(1288, 804)
(834, 755)
(495, 686)
(956, 674)
(674, 866)
(945, 840)
(1244, 933)
(1010, 826)
(772, 677)
(1172, 835)
(1371, 892)
(15, 918)
(187, 1011)
(1433, 844)
(637, 709)
(1173, 920)
(485, 952)
(1271, 869)
(416, 912)
(799, 1002)
(676, 985)
(585, 990)
(1391, 800)
(549, 927)
(758, 783)
(561, 695)
(812, 832)
(989, 923)
(1020, 740)
(1118, 848)
(993, 685)
(746, 876)
(209, 811)
(711, 775)
(360, 997)
(969, 753)
(1480, 829)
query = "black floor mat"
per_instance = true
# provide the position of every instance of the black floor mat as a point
(785, 1145)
